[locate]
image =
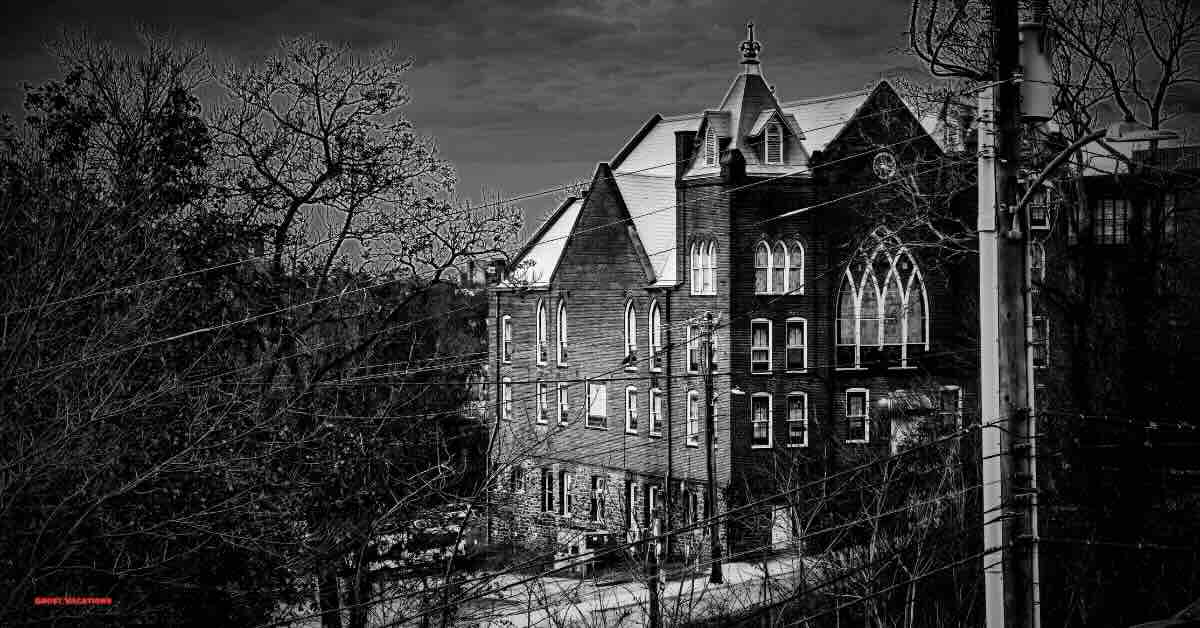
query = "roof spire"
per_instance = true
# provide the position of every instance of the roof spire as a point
(750, 49)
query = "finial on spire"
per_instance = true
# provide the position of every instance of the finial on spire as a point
(750, 49)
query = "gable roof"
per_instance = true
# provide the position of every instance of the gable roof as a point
(534, 266)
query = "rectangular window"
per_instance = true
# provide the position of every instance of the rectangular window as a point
(1111, 221)
(599, 486)
(597, 415)
(1041, 342)
(547, 490)
(693, 418)
(714, 344)
(857, 425)
(506, 331)
(949, 406)
(693, 348)
(797, 344)
(760, 346)
(518, 479)
(506, 397)
(631, 410)
(651, 505)
(797, 419)
(564, 404)
(630, 504)
(774, 144)
(760, 420)
(566, 497)
(655, 412)
(540, 401)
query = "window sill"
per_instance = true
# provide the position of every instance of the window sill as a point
(596, 427)
(797, 445)
(762, 372)
(563, 365)
(902, 368)
(849, 368)
(656, 369)
(540, 363)
(631, 432)
(692, 444)
(761, 447)
(655, 434)
(857, 441)
(542, 423)
(802, 371)
(631, 369)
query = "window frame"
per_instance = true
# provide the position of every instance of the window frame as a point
(866, 416)
(516, 480)
(540, 407)
(594, 401)
(561, 321)
(629, 352)
(711, 152)
(768, 346)
(703, 272)
(566, 497)
(655, 411)
(762, 267)
(692, 414)
(654, 336)
(958, 404)
(599, 489)
(506, 398)
(563, 404)
(773, 129)
(543, 335)
(547, 490)
(787, 367)
(692, 349)
(506, 339)
(793, 266)
(631, 489)
(798, 394)
(770, 420)
(857, 289)
(631, 410)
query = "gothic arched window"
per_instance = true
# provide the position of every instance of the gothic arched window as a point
(882, 314)
(630, 335)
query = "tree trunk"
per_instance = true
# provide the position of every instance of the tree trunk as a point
(329, 596)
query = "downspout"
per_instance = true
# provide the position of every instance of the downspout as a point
(667, 361)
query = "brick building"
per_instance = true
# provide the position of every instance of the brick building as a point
(829, 338)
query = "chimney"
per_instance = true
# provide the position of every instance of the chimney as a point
(685, 147)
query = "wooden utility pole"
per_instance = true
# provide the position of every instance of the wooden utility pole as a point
(710, 447)
(1004, 342)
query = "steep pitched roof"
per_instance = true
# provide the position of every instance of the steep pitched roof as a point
(822, 119)
(534, 266)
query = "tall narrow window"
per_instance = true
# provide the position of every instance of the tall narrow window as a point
(506, 396)
(697, 268)
(630, 336)
(566, 486)
(562, 332)
(631, 488)
(710, 147)
(655, 412)
(797, 344)
(762, 268)
(704, 265)
(710, 268)
(893, 312)
(795, 283)
(916, 322)
(1111, 223)
(774, 143)
(693, 348)
(868, 318)
(543, 346)
(760, 346)
(597, 415)
(631, 410)
(883, 314)
(651, 505)
(778, 268)
(847, 324)
(1041, 342)
(506, 332)
(693, 418)
(599, 487)
(857, 424)
(517, 479)
(655, 333)
(797, 419)
(540, 401)
(950, 406)
(564, 404)
(547, 490)
(760, 420)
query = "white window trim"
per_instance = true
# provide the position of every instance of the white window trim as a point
(766, 284)
(655, 395)
(804, 325)
(506, 339)
(599, 493)
(710, 267)
(561, 351)
(547, 489)
(630, 336)
(770, 420)
(773, 128)
(540, 402)
(631, 410)
(543, 337)
(866, 417)
(506, 399)
(562, 403)
(710, 147)
(791, 263)
(692, 411)
(804, 420)
(603, 407)
(703, 272)
(770, 344)
(654, 334)
(693, 345)
(566, 502)
(859, 290)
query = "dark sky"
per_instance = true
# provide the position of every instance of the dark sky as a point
(521, 95)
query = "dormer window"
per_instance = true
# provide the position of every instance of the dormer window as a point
(774, 148)
(710, 147)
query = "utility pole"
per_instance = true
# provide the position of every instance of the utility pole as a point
(654, 582)
(1004, 329)
(710, 446)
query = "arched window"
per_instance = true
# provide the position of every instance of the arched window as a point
(778, 268)
(704, 267)
(630, 336)
(762, 268)
(543, 346)
(795, 267)
(697, 268)
(655, 333)
(883, 315)
(774, 143)
(710, 266)
(562, 332)
(710, 147)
